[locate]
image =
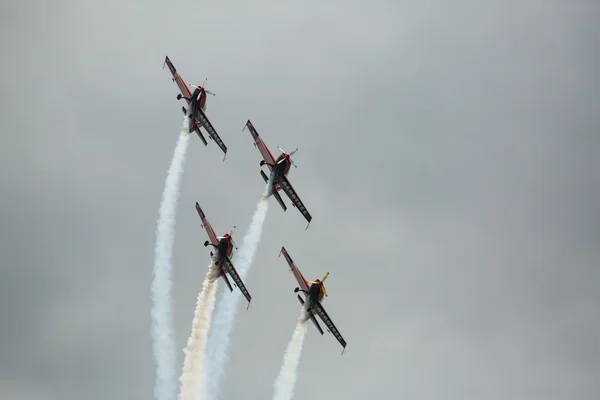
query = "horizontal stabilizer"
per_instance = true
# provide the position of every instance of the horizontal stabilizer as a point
(224, 276)
(312, 317)
(200, 135)
(275, 194)
(280, 200)
(265, 177)
(314, 320)
(196, 129)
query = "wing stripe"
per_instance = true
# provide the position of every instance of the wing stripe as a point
(203, 120)
(291, 193)
(329, 324)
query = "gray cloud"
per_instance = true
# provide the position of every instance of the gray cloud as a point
(447, 154)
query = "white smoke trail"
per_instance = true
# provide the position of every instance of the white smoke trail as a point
(193, 376)
(284, 385)
(224, 319)
(164, 350)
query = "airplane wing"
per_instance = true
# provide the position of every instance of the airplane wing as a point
(203, 120)
(297, 274)
(185, 90)
(209, 229)
(328, 323)
(287, 187)
(262, 147)
(236, 279)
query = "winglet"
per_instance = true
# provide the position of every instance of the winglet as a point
(201, 213)
(248, 306)
(165, 62)
(224, 156)
(244, 128)
(343, 350)
(288, 259)
(281, 251)
(307, 226)
(252, 130)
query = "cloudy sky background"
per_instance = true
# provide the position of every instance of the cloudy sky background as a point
(448, 155)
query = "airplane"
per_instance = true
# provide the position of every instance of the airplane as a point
(222, 257)
(280, 168)
(196, 107)
(313, 298)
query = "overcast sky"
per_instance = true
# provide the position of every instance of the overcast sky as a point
(448, 155)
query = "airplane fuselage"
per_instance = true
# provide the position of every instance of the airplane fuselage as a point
(279, 169)
(198, 100)
(282, 165)
(222, 249)
(313, 296)
(315, 293)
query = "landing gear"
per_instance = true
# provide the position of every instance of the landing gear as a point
(206, 243)
(179, 96)
(262, 162)
(296, 290)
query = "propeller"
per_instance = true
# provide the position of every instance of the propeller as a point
(322, 286)
(202, 87)
(231, 237)
(289, 155)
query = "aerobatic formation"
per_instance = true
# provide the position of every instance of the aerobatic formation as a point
(224, 258)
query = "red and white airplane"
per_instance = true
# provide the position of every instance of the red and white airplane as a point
(313, 297)
(224, 246)
(280, 168)
(197, 106)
